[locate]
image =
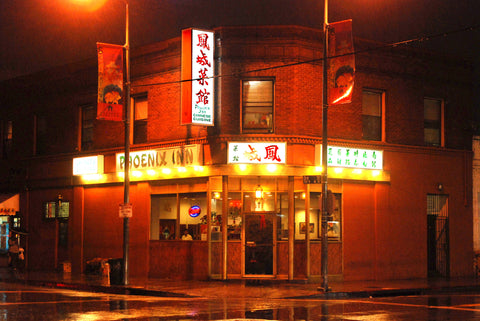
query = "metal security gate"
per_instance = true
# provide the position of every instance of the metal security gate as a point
(438, 244)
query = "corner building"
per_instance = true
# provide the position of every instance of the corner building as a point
(246, 189)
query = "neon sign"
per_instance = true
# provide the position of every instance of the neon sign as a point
(194, 211)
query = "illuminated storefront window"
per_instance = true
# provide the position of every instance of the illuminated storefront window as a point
(282, 216)
(193, 207)
(334, 222)
(235, 221)
(163, 217)
(170, 223)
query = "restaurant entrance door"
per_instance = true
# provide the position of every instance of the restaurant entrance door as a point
(259, 244)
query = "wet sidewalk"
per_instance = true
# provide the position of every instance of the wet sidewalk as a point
(273, 289)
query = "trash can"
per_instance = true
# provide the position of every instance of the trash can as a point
(116, 271)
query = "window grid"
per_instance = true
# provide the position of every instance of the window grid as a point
(140, 112)
(257, 105)
(372, 114)
(432, 122)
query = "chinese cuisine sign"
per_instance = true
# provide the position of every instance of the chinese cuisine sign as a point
(197, 77)
(353, 157)
(256, 153)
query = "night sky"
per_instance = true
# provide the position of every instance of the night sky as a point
(37, 34)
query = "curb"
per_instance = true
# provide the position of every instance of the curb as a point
(391, 292)
(113, 289)
(141, 291)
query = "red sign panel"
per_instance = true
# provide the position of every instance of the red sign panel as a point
(197, 77)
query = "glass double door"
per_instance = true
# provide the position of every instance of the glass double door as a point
(259, 244)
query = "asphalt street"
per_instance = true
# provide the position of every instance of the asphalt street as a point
(24, 302)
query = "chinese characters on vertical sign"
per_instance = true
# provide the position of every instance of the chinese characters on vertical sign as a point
(341, 71)
(256, 153)
(110, 82)
(197, 77)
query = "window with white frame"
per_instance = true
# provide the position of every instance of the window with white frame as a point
(432, 111)
(140, 112)
(372, 108)
(257, 105)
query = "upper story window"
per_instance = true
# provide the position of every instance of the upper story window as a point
(140, 112)
(40, 135)
(433, 119)
(257, 105)
(372, 114)
(6, 136)
(88, 115)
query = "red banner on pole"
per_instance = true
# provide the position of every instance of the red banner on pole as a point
(110, 82)
(341, 73)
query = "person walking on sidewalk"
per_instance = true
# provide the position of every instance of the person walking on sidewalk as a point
(13, 252)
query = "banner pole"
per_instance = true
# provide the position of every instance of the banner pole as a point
(324, 258)
(126, 194)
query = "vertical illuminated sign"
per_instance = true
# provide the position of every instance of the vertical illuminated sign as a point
(197, 77)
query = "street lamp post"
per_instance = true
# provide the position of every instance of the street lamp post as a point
(324, 258)
(126, 184)
(126, 181)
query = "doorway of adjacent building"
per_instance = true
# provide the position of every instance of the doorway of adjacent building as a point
(438, 242)
(259, 244)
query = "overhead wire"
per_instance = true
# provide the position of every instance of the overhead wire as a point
(316, 60)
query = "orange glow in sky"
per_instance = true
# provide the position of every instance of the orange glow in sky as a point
(90, 5)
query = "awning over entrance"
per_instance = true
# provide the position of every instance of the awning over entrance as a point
(9, 204)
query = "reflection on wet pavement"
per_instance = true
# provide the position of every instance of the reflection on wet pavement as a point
(20, 302)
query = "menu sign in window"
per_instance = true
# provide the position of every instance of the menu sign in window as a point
(50, 210)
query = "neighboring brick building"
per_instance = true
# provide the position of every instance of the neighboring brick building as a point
(405, 214)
